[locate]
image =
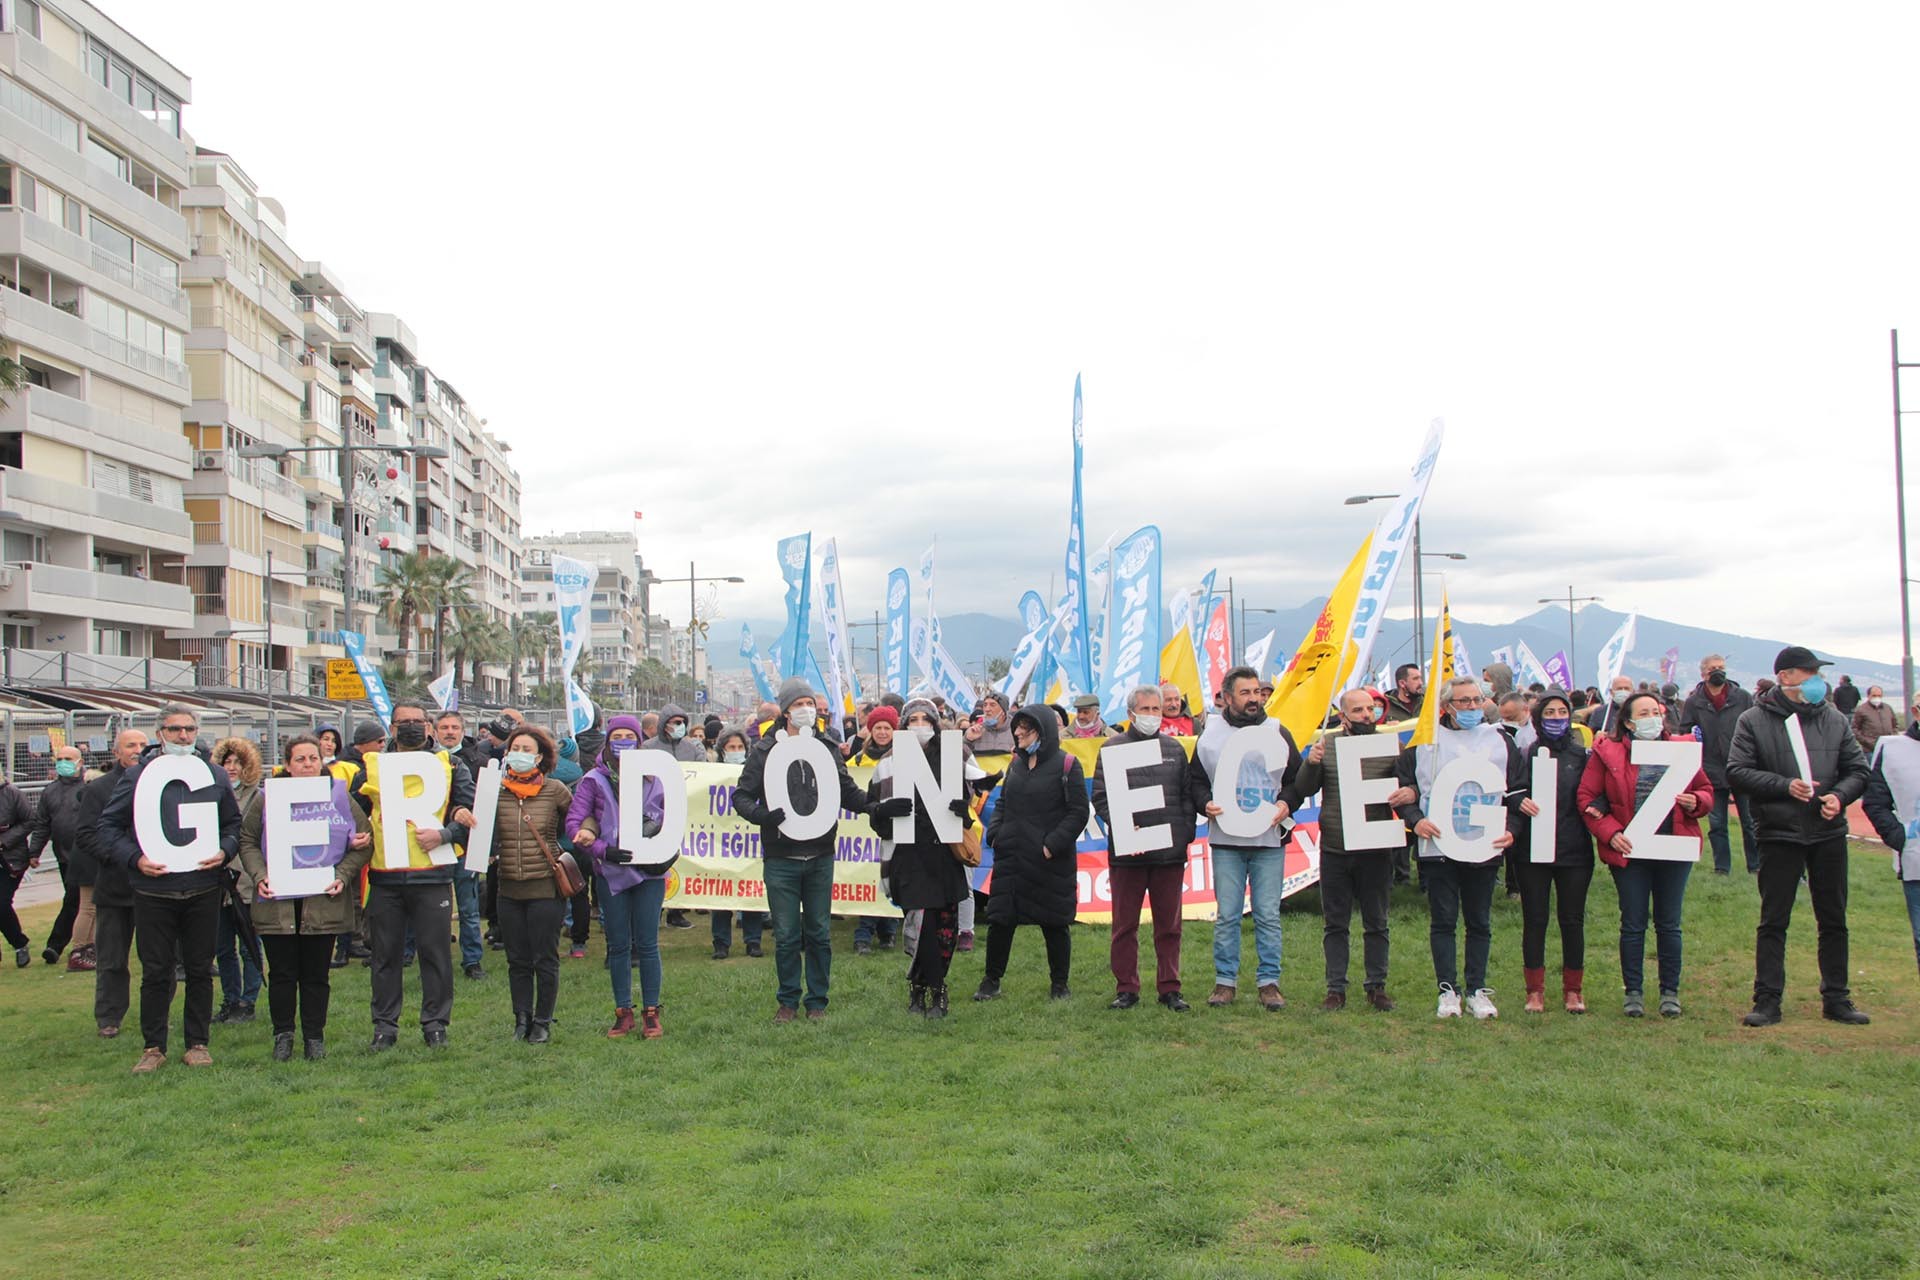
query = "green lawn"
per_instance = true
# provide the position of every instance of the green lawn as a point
(1019, 1138)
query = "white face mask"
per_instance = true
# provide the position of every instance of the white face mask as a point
(177, 748)
(521, 761)
(1875, 701)
(1147, 724)
(922, 733)
(801, 722)
(734, 757)
(1619, 696)
(1647, 728)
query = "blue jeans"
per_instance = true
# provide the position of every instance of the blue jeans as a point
(239, 976)
(868, 926)
(1235, 871)
(1665, 884)
(632, 922)
(466, 902)
(1457, 889)
(751, 923)
(1912, 888)
(799, 896)
(1717, 832)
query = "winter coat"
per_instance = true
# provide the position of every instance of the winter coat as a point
(995, 741)
(1041, 811)
(750, 796)
(1715, 725)
(108, 878)
(1324, 778)
(471, 752)
(922, 874)
(244, 794)
(686, 748)
(1878, 804)
(1761, 765)
(1611, 775)
(1871, 723)
(1572, 842)
(519, 865)
(1401, 710)
(56, 822)
(118, 842)
(459, 796)
(1184, 790)
(317, 914)
(16, 824)
(1846, 696)
(596, 811)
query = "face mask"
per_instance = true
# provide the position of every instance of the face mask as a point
(1361, 726)
(1619, 696)
(922, 733)
(733, 757)
(617, 745)
(992, 722)
(177, 748)
(1875, 701)
(1814, 690)
(1648, 728)
(1032, 747)
(1147, 724)
(69, 768)
(411, 735)
(1554, 726)
(521, 761)
(675, 732)
(1469, 719)
(1716, 678)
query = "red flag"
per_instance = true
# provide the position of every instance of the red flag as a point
(636, 515)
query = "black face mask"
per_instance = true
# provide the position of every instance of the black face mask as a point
(411, 734)
(1717, 678)
(1363, 727)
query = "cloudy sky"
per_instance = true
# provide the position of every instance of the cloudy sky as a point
(759, 268)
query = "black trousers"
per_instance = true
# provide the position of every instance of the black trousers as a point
(1059, 950)
(186, 928)
(428, 910)
(69, 912)
(112, 943)
(531, 930)
(10, 921)
(298, 977)
(1541, 886)
(1781, 865)
(1366, 877)
(939, 927)
(582, 915)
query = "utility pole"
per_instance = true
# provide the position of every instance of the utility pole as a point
(1900, 530)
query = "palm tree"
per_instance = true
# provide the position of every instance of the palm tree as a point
(408, 590)
(477, 640)
(13, 376)
(452, 589)
(402, 684)
(533, 633)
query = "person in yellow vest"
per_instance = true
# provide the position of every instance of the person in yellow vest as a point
(407, 890)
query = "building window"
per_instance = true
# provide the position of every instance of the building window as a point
(39, 113)
(26, 17)
(105, 157)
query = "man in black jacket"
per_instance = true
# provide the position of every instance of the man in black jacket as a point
(1801, 826)
(1158, 873)
(16, 821)
(54, 827)
(1710, 713)
(112, 892)
(174, 912)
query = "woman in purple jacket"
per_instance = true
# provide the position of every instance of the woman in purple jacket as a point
(630, 898)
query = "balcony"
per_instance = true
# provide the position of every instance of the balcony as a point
(137, 358)
(323, 324)
(128, 124)
(42, 588)
(325, 528)
(78, 509)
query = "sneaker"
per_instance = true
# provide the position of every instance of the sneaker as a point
(1635, 1005)
(150, 1060)
(1125, 1000)
(650, 1027)
(678, 920)
(965, 941)
(885, 942)
(109, 1030)
(1335, 1001)
(1270, 998)
(197, 1056)
(1380, 1000)
(1844, 1011)
(1449, 1006)
(622, 1024)
(1765, 1013)
(316, 1049)
(753, 951)
(1058, 991)
(1172, 1000)
(225, 1012)
(242, 1011)
(721, 950)
(435, 1037)
(283, 1046)
(576, 952)
(80, 960)
(989, 989)
(1480, 1004)
(22, 957)
(1669, 1004)
(1222, 996)
(475, 972)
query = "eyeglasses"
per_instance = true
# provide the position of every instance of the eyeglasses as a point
(179, 728)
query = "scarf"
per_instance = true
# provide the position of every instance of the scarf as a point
(526, 786)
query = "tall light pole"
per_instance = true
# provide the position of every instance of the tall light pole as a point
(1419, 590)
(1900, 527)
(692, 580)
(1246, 609)
(1573, 650)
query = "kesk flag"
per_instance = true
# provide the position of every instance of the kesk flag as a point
(1026, 656)
(899, 610)
(1613, 654)
(1440, 669)
(1100, 632)
(1303, 694)
(750, 650)
(573, 597)
(833, 611)
(445, 696)
(796, 566)
(1133, 655)
(356, 647)
(1259, 651)
(1530, 668)
(1075, 651)
(1392, 543)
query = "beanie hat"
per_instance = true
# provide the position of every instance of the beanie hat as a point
(792, 691)
(923, 707)
(368, 731)
(631, 724)
(883, 715)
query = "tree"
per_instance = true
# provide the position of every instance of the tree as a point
(402, 684)
(533, 634)
(452, 588)
(997, 669)
(408, 591)
(13, 376)
(476, 639)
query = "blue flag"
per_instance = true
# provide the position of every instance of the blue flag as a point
(1134, 597)
(1076, 651)
(899, 620)
(356, 646)
(796, 566)
(750, 650)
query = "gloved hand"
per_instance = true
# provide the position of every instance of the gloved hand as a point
(894, 807)
(617, 856)
(775, 817)
(960, 807)
(650, 827)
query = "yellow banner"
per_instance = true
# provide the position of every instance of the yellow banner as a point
(1178, 668)
(1325, 658)
(1439, 673)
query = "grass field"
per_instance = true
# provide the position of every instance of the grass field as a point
(1020, 1138)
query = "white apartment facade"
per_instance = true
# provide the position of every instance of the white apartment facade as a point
(615, 649)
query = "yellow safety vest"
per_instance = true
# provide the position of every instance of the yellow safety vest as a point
(417, 859)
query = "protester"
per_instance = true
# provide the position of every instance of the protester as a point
(996, 729)
(731, 747)
(1086, 718)
(1455, 888)
(16, 824)
(881, 722)
(1409, 692)
(112, 892)
(1801, 825)
(1564, 881)
(799, 873)
(1709, 713)
(1846, 697)
(922, 875)
(1176, 718)
(1035, 831)
(1347, 876)
(55, 819)
(450, 731)
(330, 743)
(176, 914)
(237, 964)
(1247, 866)
(630, 895)
(526, 837)
(408, 891)
(1513, 717)
(1893, 790)
(1157, 872)
(297, 933)
(1601, 719)
(1497, 680)
(673, 737)
(1873, 719)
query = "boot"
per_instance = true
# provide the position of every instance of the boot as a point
(622, 1023)
(81, 959)
(283, 1046)
(937, 1002)
(1536, 990)
(916, 998)
(1570, 980)
(650, 1028)
(521, 1023)
(537, 1031)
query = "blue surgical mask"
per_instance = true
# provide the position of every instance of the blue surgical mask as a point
(66, 768)
(1469, 719)
(1814, 690)
(992, 722)
(521, 761)
(1032, 747)
(1554, 726)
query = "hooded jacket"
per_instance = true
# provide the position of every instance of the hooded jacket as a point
(922, 873)
(1760, 765)
(595, 812)
(1037, 821)
(118, 842)
(804, 789)
(1715, 725)
(1184, 790)
(686, 748)
(56, 822)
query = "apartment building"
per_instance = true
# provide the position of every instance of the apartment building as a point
(95, 537)
(615, 649)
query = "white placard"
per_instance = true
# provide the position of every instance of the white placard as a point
(1682, 761)
(814, 752)
(1546, 794)
(200, 817)
(913, 778)
(1263, 740)
(414, 788)
(1357, 831)
(635, 768)
(486, 808)
(1125, 803)
(281, 833)
(1488, 817)
(1798, 741)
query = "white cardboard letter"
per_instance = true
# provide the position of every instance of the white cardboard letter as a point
(486, 808)
(284, 833)
(1490, 817)
(1682, 761)
(635, 768)
(1357, 831)
(1546, 794)
(413, 789)
(1261, 739)
(818, 756)
(1125, 803)
(201, 817)
(913, 778)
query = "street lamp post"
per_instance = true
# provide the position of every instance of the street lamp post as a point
(692, 579)
(1419, 588)
(1573, 650)
(1900, 526)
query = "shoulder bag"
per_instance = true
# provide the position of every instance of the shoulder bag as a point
(566, 872)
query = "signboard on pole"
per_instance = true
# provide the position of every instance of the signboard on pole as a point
(343, 681)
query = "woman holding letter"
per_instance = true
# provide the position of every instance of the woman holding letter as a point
(630, 896)
(526, 840)
(1568, 876)
(298, 933)
(1612, 790)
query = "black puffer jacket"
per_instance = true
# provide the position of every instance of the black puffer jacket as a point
(1760, 766)
(1572, 842)
(923, 874)
(1715, 725)
(108, 878)
(119, 843)
(1041, 811)
(803, 789)
(56, 822)
(1185, 794)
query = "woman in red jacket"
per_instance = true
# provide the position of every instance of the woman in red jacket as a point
(1612, 790)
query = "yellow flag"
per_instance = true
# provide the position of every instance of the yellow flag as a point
(1439, 673)
(1177, 666)
(1325, 658)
